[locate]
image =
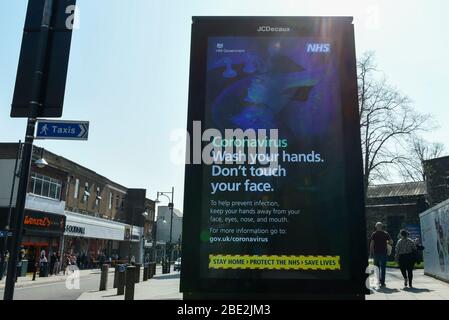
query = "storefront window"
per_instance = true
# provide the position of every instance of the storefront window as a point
(45, 186)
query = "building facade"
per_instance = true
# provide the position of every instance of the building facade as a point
(164, 223)
(72, 209)
(436, 172)
(397, 206)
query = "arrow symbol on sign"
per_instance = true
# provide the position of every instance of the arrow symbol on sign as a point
(83, 131)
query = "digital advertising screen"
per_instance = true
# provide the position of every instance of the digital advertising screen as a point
(274, 200)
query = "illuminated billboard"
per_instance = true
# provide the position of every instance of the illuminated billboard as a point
(276, 203)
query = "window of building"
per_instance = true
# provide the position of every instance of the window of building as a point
(77, 186)
(122, 203)
(45, 186)
(86, 192)
(97, 197)
(111, 197)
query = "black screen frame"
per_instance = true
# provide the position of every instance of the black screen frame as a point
(191, 283)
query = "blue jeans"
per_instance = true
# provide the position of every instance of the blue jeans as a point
(380, 261)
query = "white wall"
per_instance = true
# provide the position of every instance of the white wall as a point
(435, 239)
(163, 229)
(34, 202)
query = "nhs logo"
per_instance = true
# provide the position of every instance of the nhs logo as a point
(318, 47)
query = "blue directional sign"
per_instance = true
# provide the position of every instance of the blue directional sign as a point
(4, 234)
(62, 130)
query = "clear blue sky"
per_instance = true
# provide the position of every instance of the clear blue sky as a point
(129, 65)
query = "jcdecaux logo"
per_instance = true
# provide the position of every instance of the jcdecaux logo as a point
(273, 29)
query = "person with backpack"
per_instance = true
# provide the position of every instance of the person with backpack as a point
(406, 257)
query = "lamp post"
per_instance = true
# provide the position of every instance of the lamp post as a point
(170, 206)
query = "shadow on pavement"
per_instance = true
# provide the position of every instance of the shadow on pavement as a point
(387, 290)
(417, 290)
(167, 276)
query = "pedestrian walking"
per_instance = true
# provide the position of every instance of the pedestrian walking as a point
(5, 264)
(43, 264)
(57, 265)
(102, 259)
(52, 262)
(380, 240)
(20, 258)
(406, 257)
(83, 261)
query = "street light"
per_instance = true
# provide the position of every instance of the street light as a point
(41, 163)
(170, 206)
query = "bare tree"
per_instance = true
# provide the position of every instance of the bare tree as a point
(387, 119)
(411, 168)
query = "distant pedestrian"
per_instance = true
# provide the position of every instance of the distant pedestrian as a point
(73, 261)
(380, 240)
(52, 262)
(83, 261)
(57, 265)
(5, 263)
(102, 259)
(20, 258)
(406, 257)
(43, 264)
(65, 263)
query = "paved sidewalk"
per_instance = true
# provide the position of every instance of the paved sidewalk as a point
(425, 288)
(28, 280)
(160, 287)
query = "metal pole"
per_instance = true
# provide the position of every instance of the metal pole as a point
(155, 239)
(35, 104)
(8, 219)
(131, 235)
(171, 225)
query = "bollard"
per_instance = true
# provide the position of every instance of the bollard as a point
(137, 274)
(145, 271)
(153, 269)
(130, 282)
(104, 277)
(34, 272)
(116, 272)
(121, 279)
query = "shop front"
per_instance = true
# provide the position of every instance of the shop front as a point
(43, 231)
(94, 240)
(133, 244)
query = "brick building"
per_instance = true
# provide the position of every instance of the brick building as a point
(70, 208)
(436, 172)
(397, 206)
